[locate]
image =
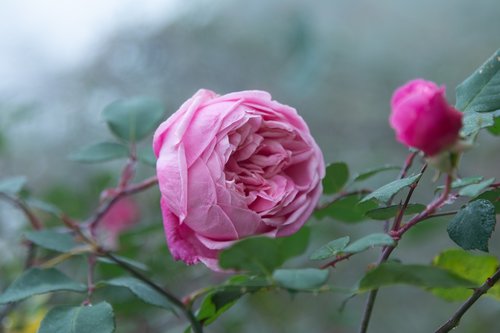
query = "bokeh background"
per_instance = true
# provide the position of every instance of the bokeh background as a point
(337, 62)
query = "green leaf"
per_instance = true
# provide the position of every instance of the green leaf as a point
(474, 121)
(336, 177)
(479, 92)
(385, 192)
(135, 264)
(473, 225)
(347, 209)
(495, 128)
(474, 189)
(301, 279)
(44, 206)
(463, 182)
(370, 241)
(331, 249)
(12, 185)
(386, 213)
(223, 297)
(36, 281)
(391, 273)
(134, 118)
(142, 291)
(262, 254)
(492, 196)
(372, 172)
(215, 304)
(146, 156)
(100, 152)
(52, 240)
(474, 267)
(97, 318)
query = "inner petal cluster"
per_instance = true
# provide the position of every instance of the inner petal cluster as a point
(262, 153)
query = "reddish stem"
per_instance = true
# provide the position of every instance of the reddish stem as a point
(431, 208)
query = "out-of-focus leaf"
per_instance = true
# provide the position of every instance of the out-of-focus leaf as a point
(262, 254)
(473, 267)
(492, 196)
(347, 209)
(142, 291)
(372, 172)
(472, 226)
(474, 121)
(44, 206)
(391, 273)
(39, 281)
(336, 177)
(385, 192)
(52, 239)
(301, 279)
(331, 249)
(12, 185)
(146, 156)
(223, 297)
(134, 118)
(479, 92)
(495, 128)
(367, 242)
(100, 152)
(386, 213)
(97, 318)
(474, 189)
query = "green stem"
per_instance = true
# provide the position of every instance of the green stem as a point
(195, 324)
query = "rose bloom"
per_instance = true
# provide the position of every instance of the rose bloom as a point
(123, 215)
(423, 119)
(234, 166)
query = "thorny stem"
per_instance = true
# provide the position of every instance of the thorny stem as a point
(35, 222)
(30, 257)
(195, 324)
(431, 208)
(91, 260)
(128, 190)
(337, 260)
(483, 289)
(399, 216)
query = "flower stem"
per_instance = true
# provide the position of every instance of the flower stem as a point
(483, 289)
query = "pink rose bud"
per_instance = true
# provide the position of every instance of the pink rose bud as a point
(423, 119)
(231, 167)
(123, 215)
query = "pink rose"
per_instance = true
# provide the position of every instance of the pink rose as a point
(423, 119)
(234, 166)
(123, 215)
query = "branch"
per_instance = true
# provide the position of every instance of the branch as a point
(337, 260)
(483, 289)
(195, 324)
(126, 191)
(431, 208)
(35, 222)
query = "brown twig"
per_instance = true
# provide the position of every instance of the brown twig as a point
(35, 222)
(337, 260)
(128, 190)
(483, 289)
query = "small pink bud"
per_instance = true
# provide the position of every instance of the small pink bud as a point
(423, 119)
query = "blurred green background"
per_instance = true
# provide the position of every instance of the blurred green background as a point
(337, 62)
